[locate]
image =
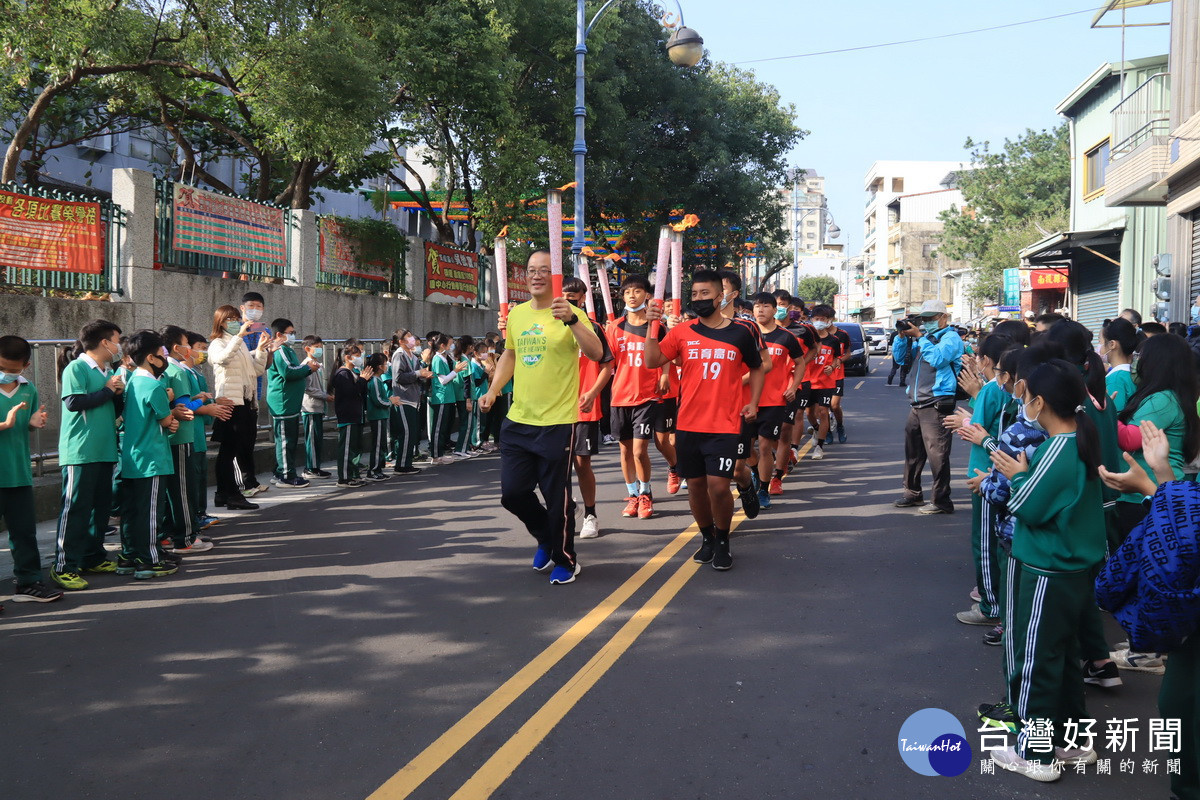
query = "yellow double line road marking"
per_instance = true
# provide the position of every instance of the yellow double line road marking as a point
(516, 749)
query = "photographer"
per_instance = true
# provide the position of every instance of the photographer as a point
(903, 340)
(936, 359)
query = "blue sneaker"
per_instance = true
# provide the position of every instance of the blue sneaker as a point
(755, 483)
(541, 560)
(764, 499)
(841, 435)
(564, 574)
(829, 437)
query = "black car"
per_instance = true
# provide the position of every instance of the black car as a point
(859, 362)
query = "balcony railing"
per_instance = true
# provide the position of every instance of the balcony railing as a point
(1144, 114)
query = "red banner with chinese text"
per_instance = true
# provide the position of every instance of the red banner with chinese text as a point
(1047, 279)
(58, 235)
(518, 285)
(451, 276)
(340, 254)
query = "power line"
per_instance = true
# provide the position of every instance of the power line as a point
(922, 39)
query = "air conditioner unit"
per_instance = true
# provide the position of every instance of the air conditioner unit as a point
(98, 144)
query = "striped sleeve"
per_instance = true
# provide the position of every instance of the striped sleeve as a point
(1034, 492)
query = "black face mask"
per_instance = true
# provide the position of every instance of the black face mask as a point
(156, 369)
(703, 308)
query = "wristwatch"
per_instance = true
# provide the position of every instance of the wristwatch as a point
(569, 322)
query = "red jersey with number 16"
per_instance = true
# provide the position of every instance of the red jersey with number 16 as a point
(633, 382)
(713, 361)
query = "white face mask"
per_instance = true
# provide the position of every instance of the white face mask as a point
(820, 325)
(254, 314)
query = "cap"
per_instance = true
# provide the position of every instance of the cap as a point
(932, 308)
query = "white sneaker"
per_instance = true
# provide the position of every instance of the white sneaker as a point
(1139, 662)
(590, 529)
(1007, 758)
(1072, 758)
(460, 456)
(198, 546)
(818, 453)
(444, 460)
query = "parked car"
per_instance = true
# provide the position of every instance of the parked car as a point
(859, 362)
(878, 338)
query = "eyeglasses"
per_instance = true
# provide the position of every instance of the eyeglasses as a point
(544, 272)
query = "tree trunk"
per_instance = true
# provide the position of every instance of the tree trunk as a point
(33, 118)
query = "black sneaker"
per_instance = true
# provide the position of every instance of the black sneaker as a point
(1107, 676)
(999, 715)
(406, 471)
(126, 566)
(994, 637)
(908, 502)
(317, 473)
(749, 499)
(350, 484)
(36, 592)
(705, 554)
(160, 569)
(722, 560)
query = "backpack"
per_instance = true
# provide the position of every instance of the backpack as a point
(1152, 583)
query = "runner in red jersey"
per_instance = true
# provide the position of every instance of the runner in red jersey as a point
(666, 412)
(787, 372)
(635, 393)
(790, 312)
(820, 375)
(593, 377)
(839, 388)
(713, 353)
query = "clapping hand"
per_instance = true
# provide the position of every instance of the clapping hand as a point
(1010, 467)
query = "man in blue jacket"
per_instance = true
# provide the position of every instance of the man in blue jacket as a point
(902, 346)
(932, 383)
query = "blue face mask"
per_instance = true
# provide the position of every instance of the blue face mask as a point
(7, 378)
(820, 324)
(781, 313)
(636, 309)
(317, 353)
(1030, 421)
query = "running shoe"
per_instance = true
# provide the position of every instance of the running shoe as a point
(111, 530)
(793, 459)
(841, 434)
(610, 439)
(291, 483)
(705, 554)
(378, 475)
(125, 566)
(590, 529)
(999, 716)
(1107, 676)
(755, 483)
(749, 500)
(145, 571)
(1007, 758)
(829, 437)
(975, 594)
(722, 559)
(631, 506)
(541, 559)
(764, 499)
(406, 471)
(36, 592)
(818, 453)
(71, 581)
(103, 568)
(994, 637)
(973, 616)
(909, 502)
(208, 521)
(1075, 757)
(445, 460)
(775, 487)
(309, 474)
(1139, 662)
(645, 507)
(673, 481)
(562, 574)
(350, 484)
(197, 547)
(933, 508)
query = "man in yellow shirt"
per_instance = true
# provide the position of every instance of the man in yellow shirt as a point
(544, 338)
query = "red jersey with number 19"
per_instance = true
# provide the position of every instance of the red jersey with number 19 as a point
(713, 361)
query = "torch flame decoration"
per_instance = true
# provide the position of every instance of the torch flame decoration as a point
(676, 273)
(689, 221)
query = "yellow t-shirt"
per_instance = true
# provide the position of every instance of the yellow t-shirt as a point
(546, 370)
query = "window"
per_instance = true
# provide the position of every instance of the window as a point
(1095, 165)
(929, 250)
(897, 184)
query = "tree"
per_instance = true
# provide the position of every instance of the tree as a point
(817, 289)
(1012, 199)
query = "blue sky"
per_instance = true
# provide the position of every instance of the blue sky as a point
(915, 101)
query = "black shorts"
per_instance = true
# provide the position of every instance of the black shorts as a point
(822, 397)
(702, 454)
(803, 400)
(665, 413)
(770, 422)
(840, 389)
(633, 422)
(745, 439)
(587, 438)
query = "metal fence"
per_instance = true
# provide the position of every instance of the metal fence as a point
(329, 279)
(168, 258)
(112, 219)
(1144, 114)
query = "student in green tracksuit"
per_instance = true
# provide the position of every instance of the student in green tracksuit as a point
(312, 408)
(212, 408)
(19, 412)
(145, 460)
(1118, 341)
(443, 398)
(286, 378)
(464, 397)
(177, 519)
(379, 412)
(994, 409)
(1058, 542)
(87, 452)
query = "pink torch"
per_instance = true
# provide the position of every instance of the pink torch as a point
(586, 276)
(501, 251)
(662, 265)
(676, 273)
(554, 215)
(605, 291)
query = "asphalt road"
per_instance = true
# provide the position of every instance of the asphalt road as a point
(395, 641)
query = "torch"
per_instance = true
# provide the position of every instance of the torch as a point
(660, 275)
(584, 274)
(554, 215)
(501, 251)
(605, 292)
(676, 273)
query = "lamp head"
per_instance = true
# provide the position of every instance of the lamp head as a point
(685, 48)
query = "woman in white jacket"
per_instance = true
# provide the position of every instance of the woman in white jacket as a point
(236, 370)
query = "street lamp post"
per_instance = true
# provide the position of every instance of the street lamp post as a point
(685, 48)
